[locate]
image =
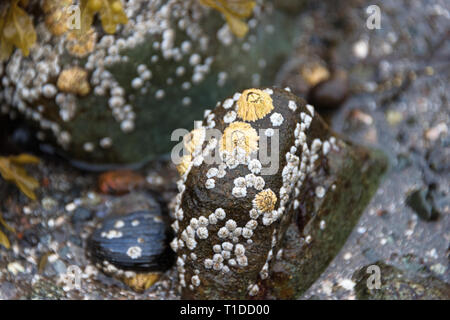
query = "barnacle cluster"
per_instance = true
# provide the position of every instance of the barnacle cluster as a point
(17, 27)
(168, 49)
(231, 215)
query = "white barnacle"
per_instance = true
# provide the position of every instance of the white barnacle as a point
(119, 224)
(208, 263)
(240, 182)
(220, 213)
(292, 105)
(326, 147)
(276, 119)
(191, 243)
(228, 103)
(227, 246)
(254, 214)
(250, 180)
(226, 254)
(212, 172)
(194, 223)
(223, 233)
(239, 192)
(202, 233)
(251, 225)
(242, 261)
(259, 183)
(111, 234)
(174, 244)
(195, 280)
(218, 257)
(179, 214)
(203, 221)
(217, 248)
(231, 225)
(310, 109)
(320, 191)
(134, 252)
(254, 166)
(210, 184)
(239, 250)
(247, 233)
(230, 116)
(322, 225)
(212, 218)
(269, 132)
(237, 232)
(232, 262)
(253, 290)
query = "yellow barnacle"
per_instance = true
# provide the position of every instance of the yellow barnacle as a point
(254, 104)
(194, 140)
(265, 201)
(81, 45)
(74, 80)
(239, 134)
(184, 165)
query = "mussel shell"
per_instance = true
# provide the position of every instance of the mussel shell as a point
(150, 234)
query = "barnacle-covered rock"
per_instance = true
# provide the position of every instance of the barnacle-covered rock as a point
(132, 247)
(131, 89)
(270, 163)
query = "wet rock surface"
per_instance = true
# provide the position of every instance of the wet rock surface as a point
(414, 282)
(409, 46)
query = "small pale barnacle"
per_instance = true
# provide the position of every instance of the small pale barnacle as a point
(240, 182)
(259, 183)
(212, 173)
(239, 192)
(74, 80)
(134, 252)
(265, 201)
(231, 225)
(292, 105)
(255, 166)
(254, 214)
(242, 261)
(210, 184)
(220, 214)
(217, 248)
(247, 233)
(239, 250)
(203, 221)
(254, 104)
(252, 224)
(202, 233)
(195, 280)
(239, 134)
(212, 218)
(208, 263)
(320, 191)
(191, 243)
(276, 119)
(227, 246)
(250, 180)
(253, 290)
(223, 233)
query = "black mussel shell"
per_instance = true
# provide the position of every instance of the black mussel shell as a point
(138, 241)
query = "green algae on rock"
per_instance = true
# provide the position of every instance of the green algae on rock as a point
(116, 98)
(234, 215)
